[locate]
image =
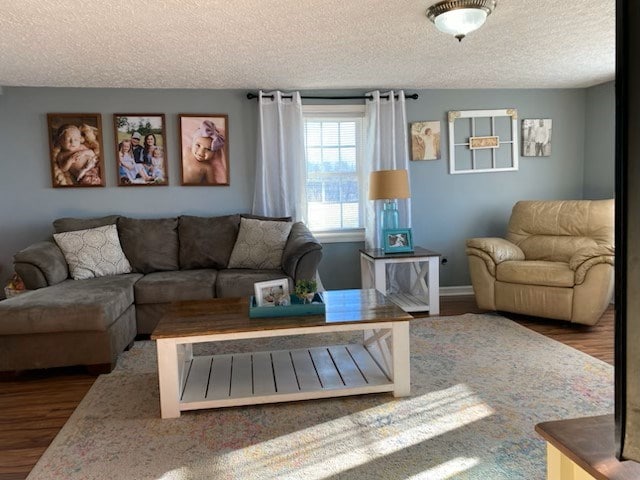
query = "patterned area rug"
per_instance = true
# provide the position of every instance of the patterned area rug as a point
(480, 383)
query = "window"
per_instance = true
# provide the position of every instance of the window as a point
(334, 148)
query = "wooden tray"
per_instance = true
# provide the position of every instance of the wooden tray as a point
(296, 309)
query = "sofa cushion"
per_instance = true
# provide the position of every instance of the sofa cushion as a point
(164, 287)
(151, 245)
(260, 244)
(73, 305)
(207, 242)
(71, 224)
(95, 252)
(536, 272)
(239, 282)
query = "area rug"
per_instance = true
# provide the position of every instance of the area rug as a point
(479, 384)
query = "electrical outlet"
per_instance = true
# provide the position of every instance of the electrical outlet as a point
(443, 260)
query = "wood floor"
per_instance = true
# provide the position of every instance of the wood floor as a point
(35, 405)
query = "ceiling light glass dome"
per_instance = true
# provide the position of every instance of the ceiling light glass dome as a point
(460, 17)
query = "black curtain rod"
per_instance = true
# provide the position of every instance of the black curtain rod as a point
(413, 96)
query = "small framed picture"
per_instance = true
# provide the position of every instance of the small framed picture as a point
(204, 142)
(536, 137)
(75, 149)
(141, 150)
(272, 292)
(425, 140)
(397, 240)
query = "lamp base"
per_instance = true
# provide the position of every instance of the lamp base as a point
(390, 215)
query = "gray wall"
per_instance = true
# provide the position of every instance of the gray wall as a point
(599, 160)
(447, 209)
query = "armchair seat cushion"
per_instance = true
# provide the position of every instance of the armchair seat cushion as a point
(536, 272)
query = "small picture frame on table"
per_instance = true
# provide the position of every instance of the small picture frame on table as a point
(397, 240)
(272, 293)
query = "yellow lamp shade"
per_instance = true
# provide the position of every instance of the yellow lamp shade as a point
(389, 184)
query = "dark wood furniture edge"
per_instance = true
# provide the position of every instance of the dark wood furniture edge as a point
(589, 443)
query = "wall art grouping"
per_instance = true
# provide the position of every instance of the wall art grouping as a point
(77, 154)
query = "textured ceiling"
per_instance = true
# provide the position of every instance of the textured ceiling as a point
(306, 44)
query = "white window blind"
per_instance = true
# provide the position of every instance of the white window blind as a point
(333, 143)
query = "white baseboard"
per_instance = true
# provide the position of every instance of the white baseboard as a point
(454, 291)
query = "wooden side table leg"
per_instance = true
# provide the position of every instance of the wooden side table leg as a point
(401, 360)
(168, 378)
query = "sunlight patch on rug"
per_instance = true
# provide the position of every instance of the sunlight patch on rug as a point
(361, 437)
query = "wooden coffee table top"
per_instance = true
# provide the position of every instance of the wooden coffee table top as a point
(229, 315)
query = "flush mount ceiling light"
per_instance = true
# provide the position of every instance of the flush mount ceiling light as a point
(459, 17)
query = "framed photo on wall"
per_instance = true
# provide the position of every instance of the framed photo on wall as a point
(204, 149)
(75, 149)
(536, 137)
(141, 153)
(425, 140)
(397, 240)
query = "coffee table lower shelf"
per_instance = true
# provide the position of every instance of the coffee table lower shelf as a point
(280, 376)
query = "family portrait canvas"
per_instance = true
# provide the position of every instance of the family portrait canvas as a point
(425, 140)
(205, 149)
(536, 137)
(141, 152)
(75, 149)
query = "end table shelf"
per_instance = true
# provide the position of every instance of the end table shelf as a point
(426, 265)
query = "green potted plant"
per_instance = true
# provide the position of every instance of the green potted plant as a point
(306, 290)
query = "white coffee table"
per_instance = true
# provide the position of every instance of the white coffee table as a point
(189, 382)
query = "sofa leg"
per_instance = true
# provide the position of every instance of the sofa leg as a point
(100, 368)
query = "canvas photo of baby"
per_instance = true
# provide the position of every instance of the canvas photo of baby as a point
(204, 145)
(75, 150)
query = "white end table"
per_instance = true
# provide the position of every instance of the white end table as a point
(426, 264)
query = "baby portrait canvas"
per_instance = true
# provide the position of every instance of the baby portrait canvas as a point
(75, 149)
(205, 149)
(141, 153)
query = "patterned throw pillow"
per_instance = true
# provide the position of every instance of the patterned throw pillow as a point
(95, 252)
(260, 244)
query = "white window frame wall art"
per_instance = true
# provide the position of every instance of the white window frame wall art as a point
(531, 128)
(485, 141)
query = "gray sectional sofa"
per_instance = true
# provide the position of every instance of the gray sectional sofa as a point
(62, 322)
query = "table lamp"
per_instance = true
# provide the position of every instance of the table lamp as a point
(389, 185)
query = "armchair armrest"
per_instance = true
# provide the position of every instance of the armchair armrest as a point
(40, 265)
(585, 258)
(302, 253)
(493, 251)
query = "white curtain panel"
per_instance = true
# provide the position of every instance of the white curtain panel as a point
(386, 149)
(280, 166)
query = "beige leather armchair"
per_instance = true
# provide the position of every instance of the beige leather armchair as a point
(556, 261)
